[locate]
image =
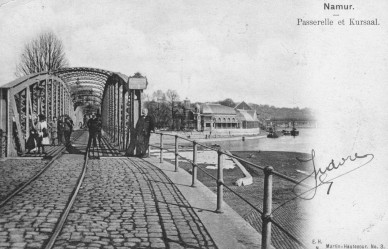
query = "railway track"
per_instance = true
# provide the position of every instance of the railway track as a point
(62, 220)
(55, 156)
(35, 188)
(32, 179)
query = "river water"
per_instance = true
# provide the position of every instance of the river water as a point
(301, 143)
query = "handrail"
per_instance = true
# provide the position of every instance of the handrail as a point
(266, 213)
(240, 159)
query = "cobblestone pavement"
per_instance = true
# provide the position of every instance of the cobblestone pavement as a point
(29, 218)
(129, 203)
(15, 172)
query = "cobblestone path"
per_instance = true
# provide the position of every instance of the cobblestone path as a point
(30, 217)
(129, 203)
(15, 172)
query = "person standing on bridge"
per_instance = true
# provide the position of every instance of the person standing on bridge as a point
(67, 130)
(54, 130)
(43, 139)
(93, 130)
(99, 128)
(144, 126)
(60, 130)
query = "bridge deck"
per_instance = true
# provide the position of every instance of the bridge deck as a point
(103, 149)
(123, 202)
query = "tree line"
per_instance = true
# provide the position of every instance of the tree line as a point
(167, 110)
(46, 53)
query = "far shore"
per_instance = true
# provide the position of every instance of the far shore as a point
(236, 137)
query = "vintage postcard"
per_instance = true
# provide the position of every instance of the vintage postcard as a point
(194, 124)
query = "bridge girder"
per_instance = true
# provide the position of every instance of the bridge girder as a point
(56, 93)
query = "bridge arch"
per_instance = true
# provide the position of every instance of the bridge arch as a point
(69, 91)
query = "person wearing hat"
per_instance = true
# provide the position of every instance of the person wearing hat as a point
(67, 130)
(54, 130)
(99, 128)
(93, 130)
(141, 138)
(43, 139)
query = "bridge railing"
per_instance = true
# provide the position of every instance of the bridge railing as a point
(3, 144)
(269, 172)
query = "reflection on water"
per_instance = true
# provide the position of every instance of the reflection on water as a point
(301, 143)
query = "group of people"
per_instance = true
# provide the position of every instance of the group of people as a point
(55, 132)
(58, 131)
(140, 135)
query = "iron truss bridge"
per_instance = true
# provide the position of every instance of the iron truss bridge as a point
(72, 92)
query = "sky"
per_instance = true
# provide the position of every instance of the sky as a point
(206, 50)
(247, 50)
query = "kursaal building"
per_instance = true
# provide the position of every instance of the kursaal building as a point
(217, 117)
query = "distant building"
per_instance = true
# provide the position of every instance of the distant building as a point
(247, 116)
(188, 117)
(210, 116)
(216, 116)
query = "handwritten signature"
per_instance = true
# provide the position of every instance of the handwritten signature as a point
(321, 175)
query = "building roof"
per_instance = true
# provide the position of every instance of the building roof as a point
(217, 109)
(243, 106)
(247, 115)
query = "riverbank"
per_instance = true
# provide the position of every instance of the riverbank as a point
(289, 211)
(169, 138)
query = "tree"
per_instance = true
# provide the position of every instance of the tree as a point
(159, 95)
(45, 53)
(227, 102)
(172, 97)
(161, 113)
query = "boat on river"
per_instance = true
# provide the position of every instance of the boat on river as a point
(272, 133)
(294, 132)
(286, 132)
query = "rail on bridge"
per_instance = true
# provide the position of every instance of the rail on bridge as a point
(73, 92)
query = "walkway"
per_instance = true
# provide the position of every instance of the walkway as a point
(29, 218)
(123, 203)
(130, 203)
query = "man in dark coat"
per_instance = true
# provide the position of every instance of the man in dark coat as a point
(99, 128)
(93, 129)
(67, 130)
(144, 126)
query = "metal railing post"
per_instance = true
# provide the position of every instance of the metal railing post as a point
(176, 154)
(267, 209)
(1, 143)
(220, 182)
(161, 147)
(194, 173)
